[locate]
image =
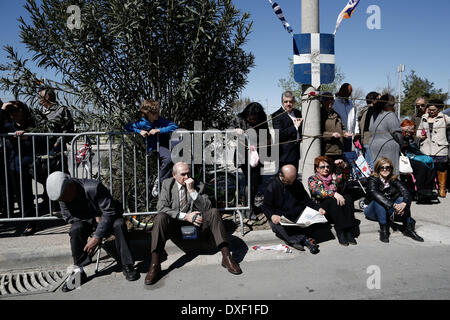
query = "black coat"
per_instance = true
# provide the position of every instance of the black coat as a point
(288, 201)
(289, 152)
(386, 196)
(93, 200)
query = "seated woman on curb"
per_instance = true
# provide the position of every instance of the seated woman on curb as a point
(389, 200)
(340, 210)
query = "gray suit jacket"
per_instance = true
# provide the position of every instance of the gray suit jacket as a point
(169, 202)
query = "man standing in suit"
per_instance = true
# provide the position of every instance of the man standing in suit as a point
(181, 204)
(287, 121)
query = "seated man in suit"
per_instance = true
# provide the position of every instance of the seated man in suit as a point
(88, 205)
(286, 196)
(287, 121)
(180, 204)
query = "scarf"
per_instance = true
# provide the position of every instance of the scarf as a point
(327, 182)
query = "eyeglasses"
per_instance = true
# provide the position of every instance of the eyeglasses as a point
(421, 105)
(385, 168)
(324, 167)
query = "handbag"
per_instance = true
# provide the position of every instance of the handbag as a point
(254, 157)
(404, 165)
(189, 232)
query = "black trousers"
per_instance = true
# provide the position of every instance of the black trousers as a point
(343, 217)
(80, 232)
(255, 181)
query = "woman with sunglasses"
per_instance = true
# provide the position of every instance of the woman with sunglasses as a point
(389, 200)
(326, 188)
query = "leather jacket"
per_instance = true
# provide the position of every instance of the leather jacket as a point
(386, 196)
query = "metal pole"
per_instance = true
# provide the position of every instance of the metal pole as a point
(400, 70)
(309, 147)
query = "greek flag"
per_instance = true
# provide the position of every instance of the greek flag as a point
(277, 9)
(346, 13)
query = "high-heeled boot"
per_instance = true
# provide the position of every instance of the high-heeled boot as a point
(442, 179)
(384, 233)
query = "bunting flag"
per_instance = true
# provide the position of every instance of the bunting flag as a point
(277, 9)
(346, 13)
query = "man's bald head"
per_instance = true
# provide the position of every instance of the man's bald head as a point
(288, 174)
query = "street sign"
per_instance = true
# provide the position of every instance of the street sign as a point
(314, 61)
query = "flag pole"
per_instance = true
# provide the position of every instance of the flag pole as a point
(310, 147)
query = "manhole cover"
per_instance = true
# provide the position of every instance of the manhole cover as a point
(13, 284)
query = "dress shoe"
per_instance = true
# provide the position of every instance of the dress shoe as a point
(130, 272)
(153, 274)
(297, 246)
(350, 239)
(230, 264)
(310, 243)
(74, 281)
(342, 238)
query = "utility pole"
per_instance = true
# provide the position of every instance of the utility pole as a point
(400, 70)
(309, 147)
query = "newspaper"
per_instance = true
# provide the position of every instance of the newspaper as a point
(308, 217)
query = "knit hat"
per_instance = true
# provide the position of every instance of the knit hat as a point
(56, 184)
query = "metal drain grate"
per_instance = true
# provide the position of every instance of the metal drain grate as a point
(30, 282)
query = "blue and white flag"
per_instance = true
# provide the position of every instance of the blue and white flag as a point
(346, 13)
(277, 9)
(314, 61)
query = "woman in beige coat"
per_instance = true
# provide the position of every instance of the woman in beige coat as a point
(433, 133)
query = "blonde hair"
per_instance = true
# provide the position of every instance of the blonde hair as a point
(380, 162)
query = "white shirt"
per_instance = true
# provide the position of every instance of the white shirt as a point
(193, 195)
(347, 112)
(293, 117)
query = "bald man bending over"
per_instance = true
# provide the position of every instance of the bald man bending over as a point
(181, 204)
(286, 196)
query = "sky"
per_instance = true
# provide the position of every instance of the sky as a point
(412, 32)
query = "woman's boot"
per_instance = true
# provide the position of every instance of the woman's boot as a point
(410, 231)
(442, 179)
(384, 233)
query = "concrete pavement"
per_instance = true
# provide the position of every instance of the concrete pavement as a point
(50, 248)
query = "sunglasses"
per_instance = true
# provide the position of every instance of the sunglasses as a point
(385, 168)
(421, 105)
(324, 167)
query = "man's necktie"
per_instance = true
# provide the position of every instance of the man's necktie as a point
(184, 200)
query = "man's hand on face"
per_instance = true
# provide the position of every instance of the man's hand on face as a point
(190, 185)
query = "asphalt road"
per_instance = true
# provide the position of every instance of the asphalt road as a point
(402, 269)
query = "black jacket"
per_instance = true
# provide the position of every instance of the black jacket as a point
(288, 201)
(289, 152)
(386, 196)
(93, 199)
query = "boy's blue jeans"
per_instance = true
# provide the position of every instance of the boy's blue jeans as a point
(375, 211)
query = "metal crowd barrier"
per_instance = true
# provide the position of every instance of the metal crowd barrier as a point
(123, 165)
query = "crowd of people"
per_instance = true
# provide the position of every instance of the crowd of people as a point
(374, 131)
(21, 159)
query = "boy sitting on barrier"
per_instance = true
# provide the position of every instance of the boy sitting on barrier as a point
(149, 126)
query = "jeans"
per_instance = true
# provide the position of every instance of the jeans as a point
(375, 211)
